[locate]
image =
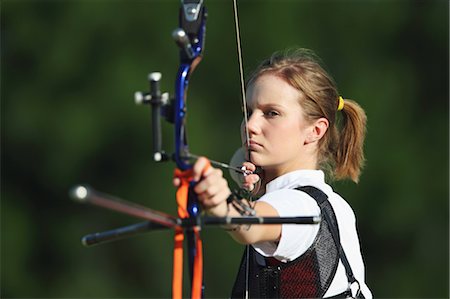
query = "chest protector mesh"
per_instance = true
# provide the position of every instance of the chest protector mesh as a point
(308, 276)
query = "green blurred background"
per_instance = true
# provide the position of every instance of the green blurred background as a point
(70, 68)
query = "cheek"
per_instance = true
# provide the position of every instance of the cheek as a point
(289, 133)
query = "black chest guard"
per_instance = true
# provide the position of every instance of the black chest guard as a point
(308, 276)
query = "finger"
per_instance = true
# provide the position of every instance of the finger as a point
(201, 168)
(251, 178)
(249, 166)
(215, 200)
(176, 182)
(248, 187)
(211, 182)
(251, 181)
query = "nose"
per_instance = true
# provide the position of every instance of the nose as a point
(252, 126)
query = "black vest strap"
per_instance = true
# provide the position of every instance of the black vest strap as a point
(316, 193)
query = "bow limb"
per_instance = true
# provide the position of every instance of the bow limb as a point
(190, 39)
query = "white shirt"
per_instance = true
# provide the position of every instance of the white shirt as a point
(296, 239)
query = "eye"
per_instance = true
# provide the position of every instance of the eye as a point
(249, 112)
(271, 113)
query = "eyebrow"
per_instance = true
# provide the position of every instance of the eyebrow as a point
(270, 105)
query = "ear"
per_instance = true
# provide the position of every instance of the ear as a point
(317, 130)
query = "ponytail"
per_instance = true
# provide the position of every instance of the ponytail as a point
(349, 155)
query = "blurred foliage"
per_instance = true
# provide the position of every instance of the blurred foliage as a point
(70, 68)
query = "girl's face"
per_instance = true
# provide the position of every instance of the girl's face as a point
(278, 131)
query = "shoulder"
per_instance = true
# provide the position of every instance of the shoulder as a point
(341, 207)
(289, 202)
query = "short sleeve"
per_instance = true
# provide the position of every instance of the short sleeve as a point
(295, 238)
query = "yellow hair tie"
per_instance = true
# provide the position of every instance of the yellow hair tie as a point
(341, 104)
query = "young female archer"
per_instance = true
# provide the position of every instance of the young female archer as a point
(294, 137)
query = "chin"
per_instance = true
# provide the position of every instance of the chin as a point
(258, 160)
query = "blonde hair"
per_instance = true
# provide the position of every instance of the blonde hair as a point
(340, 150)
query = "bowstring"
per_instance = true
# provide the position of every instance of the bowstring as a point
(241, 75)
(244, 110)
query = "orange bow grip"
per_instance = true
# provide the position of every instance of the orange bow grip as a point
(186, 177)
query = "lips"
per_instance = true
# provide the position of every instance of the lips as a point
(253, 145)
